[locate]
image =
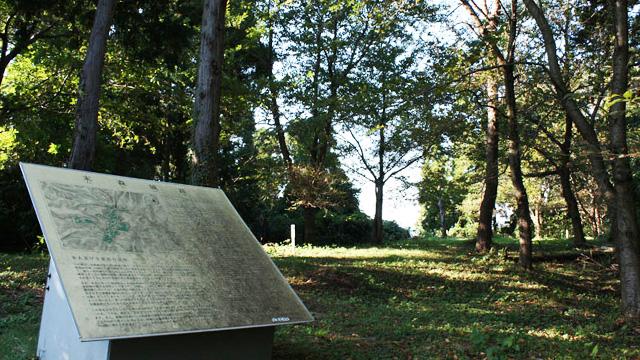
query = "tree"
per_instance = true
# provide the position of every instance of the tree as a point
(505, 61)
(565, 96)
(324, 43)
(24, 22)
(385, 130)
(627, 221)
(394, 148)
(206, 133)
(619, 195)
(443, 187)
(86, 128)
(488, 204)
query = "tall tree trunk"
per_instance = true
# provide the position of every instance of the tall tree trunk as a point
(628, 234)
(486, 29)
(572, 206)
(572, 110)
(86, 128)
(442, 212)
(522, 200)
(537, 213)
(315, 107)
(573, 212)
(485, 230)
(309, 213)
(4, 63)
(378, 235)
(206, 135)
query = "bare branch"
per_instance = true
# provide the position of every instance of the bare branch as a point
(360, 152)
(541, 174)
(406, 165)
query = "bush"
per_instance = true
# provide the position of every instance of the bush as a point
(343, 229)
(394, 232)
(464, 228)
(18, 223)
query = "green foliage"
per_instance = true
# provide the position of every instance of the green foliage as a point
(8, 146)
(394, 232)
(343, 229)
(500, 348)
(445, 183)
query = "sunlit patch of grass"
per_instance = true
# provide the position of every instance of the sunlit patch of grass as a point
(438, 299)
(421, 299)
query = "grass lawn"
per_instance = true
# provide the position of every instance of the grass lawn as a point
(413, 300)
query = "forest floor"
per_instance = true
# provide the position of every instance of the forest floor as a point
(420, 299)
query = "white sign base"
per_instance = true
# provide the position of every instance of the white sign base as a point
(59, 337)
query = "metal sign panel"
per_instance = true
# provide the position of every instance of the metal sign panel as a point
(139, 257)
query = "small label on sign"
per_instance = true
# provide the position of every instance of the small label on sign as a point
(279, 319)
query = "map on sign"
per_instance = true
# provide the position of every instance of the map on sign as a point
(92, 218)
(139, 257)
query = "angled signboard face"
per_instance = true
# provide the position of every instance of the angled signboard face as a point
(139, 258)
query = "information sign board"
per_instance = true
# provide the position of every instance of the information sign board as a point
(139, 258)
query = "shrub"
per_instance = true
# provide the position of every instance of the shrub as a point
(343, 229)
(394, 232)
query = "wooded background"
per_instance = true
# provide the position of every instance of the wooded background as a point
(524, 115)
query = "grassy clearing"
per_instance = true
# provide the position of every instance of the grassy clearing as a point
(415, 300)
(22, 279)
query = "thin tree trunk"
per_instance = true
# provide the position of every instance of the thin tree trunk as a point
(442, 212)
(165, 166)
(573, 212)
(572, 206)
(485, 230)
(537, 213)
(273, 102)
(628, 234)
(206, 135)
(86, 128)
(315, 107)
(378, 236)
(282, 141)
(522, 200)
(597, 216)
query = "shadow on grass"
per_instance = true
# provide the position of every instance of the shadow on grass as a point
(407, 312)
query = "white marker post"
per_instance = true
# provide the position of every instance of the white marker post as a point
(293, 235)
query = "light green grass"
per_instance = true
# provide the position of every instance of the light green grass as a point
(413, 300)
